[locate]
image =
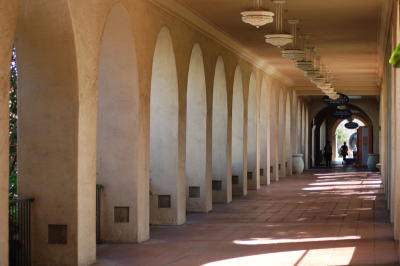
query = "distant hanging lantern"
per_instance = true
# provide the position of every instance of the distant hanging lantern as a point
(351, 125)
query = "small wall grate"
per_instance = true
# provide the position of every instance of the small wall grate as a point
(194, 192)
(164, 201)
(249, 175)
(58, 234)
(216, 185)
(261, 171)
(235, 180)
(121, 214)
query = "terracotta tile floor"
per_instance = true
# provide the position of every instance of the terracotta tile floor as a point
(318, 218)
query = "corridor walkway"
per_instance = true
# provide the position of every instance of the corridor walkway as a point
(318, 218)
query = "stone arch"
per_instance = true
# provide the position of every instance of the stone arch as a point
(364, 123)
(323, 122)
(199, 196)
(167, 203)
(288, 134)
(264, 134)
(253, 175)
(222, 183)
(239, 184)
(273, 129)
(117, 127)
(281, 133)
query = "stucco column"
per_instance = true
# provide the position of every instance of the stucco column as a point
(306, 139)
(56, 137)
(120, 155)
(274, 135)
(264, 134)
(8, 16)
(253, 138)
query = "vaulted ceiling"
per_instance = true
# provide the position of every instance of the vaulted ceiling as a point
(344, 32)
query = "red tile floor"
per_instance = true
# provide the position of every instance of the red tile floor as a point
(318, 218)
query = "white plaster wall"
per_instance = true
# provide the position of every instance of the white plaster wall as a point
(164, 144)
(288, 134)
(117, 127)
(252, 135)
(306, 139)
(282, 133)
(238, 135)
(196, 135)
(274, 130)
(264, 134)
(221, 171)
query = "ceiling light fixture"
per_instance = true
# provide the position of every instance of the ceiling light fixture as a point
(294, 53)
(314, 73)
(307, 64)
(258, 16)
(280, 38)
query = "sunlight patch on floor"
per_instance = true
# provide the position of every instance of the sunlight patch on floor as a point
(327, 256)
(267, 241)
(341, 188)
(276, 258)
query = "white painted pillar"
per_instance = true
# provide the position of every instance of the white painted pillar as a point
(253, 158)
(198, 194)
(221, 152)
(239, 180)
(306, 139)
(118, 131)
(264, 135)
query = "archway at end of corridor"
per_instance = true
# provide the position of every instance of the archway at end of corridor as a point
(326, 128)
(342, 135)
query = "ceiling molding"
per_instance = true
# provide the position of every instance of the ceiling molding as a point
(190, 17)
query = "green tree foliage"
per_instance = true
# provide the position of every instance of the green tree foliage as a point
(13, 117)
(395, 58)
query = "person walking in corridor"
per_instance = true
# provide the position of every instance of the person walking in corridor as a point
(328, 154)
(344, 151)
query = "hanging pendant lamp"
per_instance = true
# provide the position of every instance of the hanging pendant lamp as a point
(295, 53)
(258, 16)
(315, 72)
(307, 64)
(280, 38)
